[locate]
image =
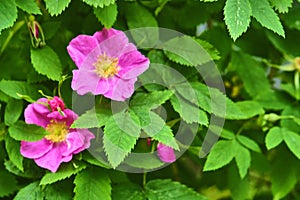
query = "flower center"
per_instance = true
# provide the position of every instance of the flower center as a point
(58, 131)
(106, 66)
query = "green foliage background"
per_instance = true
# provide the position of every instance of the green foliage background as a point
(255, 44)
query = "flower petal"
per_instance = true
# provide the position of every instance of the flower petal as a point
(35, 149)
(80, 47)
(165, 153)
(85, 81)
(120, 90)
(87, 139)
(36, 113)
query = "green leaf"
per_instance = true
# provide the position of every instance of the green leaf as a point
(66, 170)
(29, 192)
(282, 5)
(56, 7)
(138, 161)
(8, 183)
(92, 183)
(248, 69)
(211, 50)
(13, 88)
(237, 17)
(292, 140)
(266, 16)
(13, 151)
(159, 131)
(8, 14)
(250, 108)
(220, 155)
(291, 19)
(291, 124)
(29, 6)
(249, 143)
(128, 191)
(186, 51)
(120, 136)
(13, 111)
(92, 119)
(59, 191)
(188, 111)
(142, 23)
(107, 15)
(27, 132)
(99, 3)
(274, 137)
(167, 189)
(30, 171)
(46, 62)
(227, 134)
(242, 159)
(239, 188)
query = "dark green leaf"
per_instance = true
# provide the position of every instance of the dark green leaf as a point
(13, 88)
(29, 192)
(99, 3)
(59, 191)
(13, 111)
(128, 191)
(107, 15)
(29, 6)
(56, 7)
(8, 183)
(13, 151)
(8, 13)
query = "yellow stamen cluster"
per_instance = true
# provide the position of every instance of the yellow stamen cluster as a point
(57, 131)
(106, 66)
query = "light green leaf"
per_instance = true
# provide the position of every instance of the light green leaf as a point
(66, 170)
(242, 159)
(13, 150)
(27, 132)
(128, 191)
(99, 3)
(292, 140)
(92, 119)
(237, 17)
(249, 143)
(159, 131)
(186, 51)
(142, 24)
(227, 134)
(46, 62)
(168, 189)
(29, 6)
(188, 111)
(266, 16)
(8, 183)
(139, 161)
(274, 137)
(13, 88)
(107, 15)
(29, 192)
(211, 50)
(8, 13)
(220, 155)
(120, 136)
(250, 108)
(13, 111)
(92, 183)
(281, 5)
(56, 7)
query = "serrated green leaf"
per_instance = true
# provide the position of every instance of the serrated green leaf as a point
(8, 183)
(220, 155)
(237, 17)
(95, 160)
(142, 25)
(66, 170)
(107, 15)
(248, 69)
(249, 143)
(27, 132)
(186, 51)
(99, 3)
(59, 191)
(128, 191)
(30, 171)
(13, 88)
(242, 159)
(292, 140)
(281, 5)
(188, 111)
(29, 6)
(46, 62)
(8, 14)
(167, 189)
(56, 7)
(159, 131)
(92, 119)
(13, 111)
(120, 136)
(29, 192)
(266, 16)
(211, 50)
(274, 138)
(92, 183)
(13, 150)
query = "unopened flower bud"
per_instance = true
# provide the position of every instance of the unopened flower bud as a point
(272, 117)
(36, 33)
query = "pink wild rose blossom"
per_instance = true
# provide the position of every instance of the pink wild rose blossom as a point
(108, 64)
(165, 153)
(61, 142)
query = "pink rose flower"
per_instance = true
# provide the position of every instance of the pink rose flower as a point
(165, 153)
(107, 64)
(61, 142)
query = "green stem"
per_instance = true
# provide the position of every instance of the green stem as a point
(297, 84)
(173, 122)
(11, 33)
